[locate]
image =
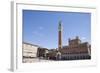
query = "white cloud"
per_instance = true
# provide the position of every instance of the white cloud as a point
(83, 38)
(40, 28)
(37, 34)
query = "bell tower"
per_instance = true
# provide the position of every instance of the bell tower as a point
(59, 36)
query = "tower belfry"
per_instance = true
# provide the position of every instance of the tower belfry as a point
(59, 36)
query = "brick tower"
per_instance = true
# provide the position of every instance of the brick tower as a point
(59, 36)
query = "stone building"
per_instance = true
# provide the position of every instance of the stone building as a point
(29, 51)
(76, 49)
(52, 54)
(42, 53)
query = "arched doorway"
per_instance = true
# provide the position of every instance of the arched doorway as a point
(58, 56)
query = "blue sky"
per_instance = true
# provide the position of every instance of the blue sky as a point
(41, 27)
